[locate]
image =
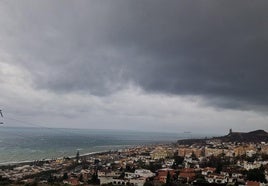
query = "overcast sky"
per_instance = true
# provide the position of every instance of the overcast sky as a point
(144, 65)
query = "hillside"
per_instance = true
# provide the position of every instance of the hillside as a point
(253, 136)
(256, 136)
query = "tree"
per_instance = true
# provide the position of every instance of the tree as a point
(168, 180)
(200, 180)
(65, 176)
(94, 179)
(31, 184)
(148, 183)
(51, 179)
(122, 175)
(81, 179)
(129, 168)
(193, 156)
(219, 167)
(256, 175)
(4, 181)
(154, 166)
(178, 160)
(264, 157)
(77, 156)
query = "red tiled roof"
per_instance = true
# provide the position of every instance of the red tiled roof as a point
(187, 170)
(73, 181)
(209, 169)
(185, 175)
(252, 183)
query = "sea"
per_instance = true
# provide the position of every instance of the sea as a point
(29, 144)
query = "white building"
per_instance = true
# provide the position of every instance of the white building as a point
(144, 173)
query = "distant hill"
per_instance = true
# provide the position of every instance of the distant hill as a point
(256, 136)
(253, 136)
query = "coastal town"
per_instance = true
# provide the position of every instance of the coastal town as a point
(133, 93)
(212, 162)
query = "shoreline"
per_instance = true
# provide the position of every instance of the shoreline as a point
(27, 162)
(120, 147)
(14, 163)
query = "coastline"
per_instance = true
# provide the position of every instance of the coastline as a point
(51, 159)
(108, 150)
(27, 145)
(27, 162)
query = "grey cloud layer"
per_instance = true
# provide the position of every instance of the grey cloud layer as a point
(216, 49)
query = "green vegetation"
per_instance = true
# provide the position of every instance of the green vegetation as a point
(4, 181)
(94, 179)
(256, 175)
(178, 160)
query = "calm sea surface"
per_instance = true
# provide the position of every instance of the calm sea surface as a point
(26, 144)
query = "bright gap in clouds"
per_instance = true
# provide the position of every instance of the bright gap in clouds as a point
(130, 108)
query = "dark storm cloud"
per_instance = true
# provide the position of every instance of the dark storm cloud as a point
(216, 49)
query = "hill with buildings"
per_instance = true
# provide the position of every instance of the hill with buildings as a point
(253, 136)
(256, 136)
